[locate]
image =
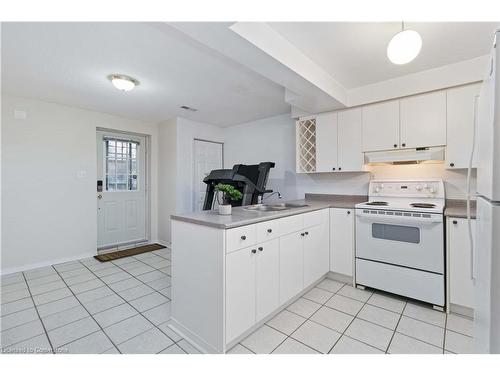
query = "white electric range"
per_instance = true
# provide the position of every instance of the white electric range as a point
(400, 239)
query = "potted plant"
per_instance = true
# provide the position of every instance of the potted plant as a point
(228, 193)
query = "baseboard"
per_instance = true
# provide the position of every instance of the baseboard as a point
(167, 244)
(340, 277)
(8, 271)
(462, 310)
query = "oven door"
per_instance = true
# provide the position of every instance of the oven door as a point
(415, 242)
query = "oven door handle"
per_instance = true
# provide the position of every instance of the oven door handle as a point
(400, 220)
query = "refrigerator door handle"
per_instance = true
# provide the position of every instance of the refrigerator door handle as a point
(469, 170)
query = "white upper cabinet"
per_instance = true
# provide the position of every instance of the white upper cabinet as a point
(326, 142)
(380, 130)
(461, 108)
(349, 141)
(423, 120)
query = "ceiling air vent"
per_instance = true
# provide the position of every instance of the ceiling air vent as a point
(189, 108)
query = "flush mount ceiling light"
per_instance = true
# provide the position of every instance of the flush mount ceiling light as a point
(404, 46)
(123, 82)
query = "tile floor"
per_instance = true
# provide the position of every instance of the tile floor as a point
(123, 306)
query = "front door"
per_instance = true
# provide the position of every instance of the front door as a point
(121, 189)
(207, 157)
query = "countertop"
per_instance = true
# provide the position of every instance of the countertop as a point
(240, 216)
(458, 208)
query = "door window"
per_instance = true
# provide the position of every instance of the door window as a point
(396, 233)
(121, 165)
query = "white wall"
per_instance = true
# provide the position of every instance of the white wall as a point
(273, 139)
(48, 213)
(187, 132)
(167, 171)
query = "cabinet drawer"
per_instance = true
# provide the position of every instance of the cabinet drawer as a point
(315, 217)
(238, 238)
(268, 230)
(290, 224)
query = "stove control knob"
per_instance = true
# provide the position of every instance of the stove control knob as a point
(426, 186)
(433, 190)
(419, 187)
(377, 189)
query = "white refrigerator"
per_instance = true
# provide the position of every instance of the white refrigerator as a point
(486, 253)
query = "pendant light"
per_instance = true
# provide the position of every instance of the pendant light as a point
(404, 46)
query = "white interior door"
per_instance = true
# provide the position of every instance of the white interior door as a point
(207, 156)
(121, 205)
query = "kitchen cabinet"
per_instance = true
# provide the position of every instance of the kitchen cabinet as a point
(349, 141)
(291, 272)
(423, 120)
(316, 253)
(461, 103)
(380, 126)
(267, 278)
(342, 241)
(326, 142)
(460, 257)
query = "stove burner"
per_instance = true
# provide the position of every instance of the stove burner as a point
(377, 203)
(423, 205)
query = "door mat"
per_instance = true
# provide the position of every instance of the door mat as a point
(128, 253)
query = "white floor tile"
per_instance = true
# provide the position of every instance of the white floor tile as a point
(151, 276)
(460, 324)
(21, 333)
(161, 283)
(458, 343)
(423, 331)
(387, 302)
(55, 295)
(304, 307)
(95, 294)
(94, 343)
(173, 349)
(402, 344)
(64, 317)
(347, 345)
(112, 269)
(128, 328)
(57, 306)
(114, 315)
(140, 270)
(39, 272)
(47, 287)
(425, 313)
(333, 319)
(35, 345)
(360, 294)
(14, 296)
(370, 334)
(239, 349)
(169, 332)
(286, 322)
(264, 340)
(86, 286)
(330, 285)
(18, 318)
(72, 331)
(149, 342)
(125, 284)
(136, 292)
(148, 301)
(159, 314)
(14, 287)
(45, 279)
(97, 305)
(345, 304)
(316, 336)
(115, 277)
(15, 306)
(291, 346)
(377, 315)
(318, 295)
(80, 279)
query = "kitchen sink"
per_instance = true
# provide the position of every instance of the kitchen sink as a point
(274, 207)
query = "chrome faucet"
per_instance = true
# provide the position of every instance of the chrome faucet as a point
(270, 195)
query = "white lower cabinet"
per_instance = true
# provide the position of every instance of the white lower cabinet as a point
(316, 253)
(267, 291)
(460, 271)
(342, 241)
(291, 266)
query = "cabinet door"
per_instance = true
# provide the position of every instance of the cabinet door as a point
(461, 108)
(381, 126)
(267, 278)
(461, 285)
(423, 120)
(342, 241)
(349, 140)
(291, 266)
(240, 292)
(316, 253)
(326, 142)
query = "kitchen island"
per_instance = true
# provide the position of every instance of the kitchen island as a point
(232, 273)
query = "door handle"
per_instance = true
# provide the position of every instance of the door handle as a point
(99, 196)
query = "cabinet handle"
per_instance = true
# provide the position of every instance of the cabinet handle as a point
(333, 168)
(452, 164)
(403, 144)
(348, 212)
(269, 230)
(302, 234)
(254, 251)
(243, 238)
(261, 248)
(340, 169)
(395, 145)
(307, 233)
(455, 222)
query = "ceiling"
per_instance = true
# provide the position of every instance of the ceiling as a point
(68, 63)
(355, 53)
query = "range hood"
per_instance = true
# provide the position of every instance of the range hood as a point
(407, 156)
